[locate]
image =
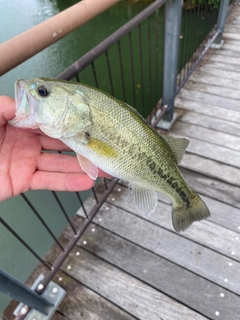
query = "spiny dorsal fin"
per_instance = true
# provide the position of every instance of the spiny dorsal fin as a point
(178, 146)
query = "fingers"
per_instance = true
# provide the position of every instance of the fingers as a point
(53, 162)
(58, 163)
(52, 144)
(61, 181)
(8, 109)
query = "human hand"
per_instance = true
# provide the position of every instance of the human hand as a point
(23, 165)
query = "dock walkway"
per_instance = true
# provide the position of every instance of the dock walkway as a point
(128, 266)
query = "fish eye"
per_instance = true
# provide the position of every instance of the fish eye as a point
(43, 91)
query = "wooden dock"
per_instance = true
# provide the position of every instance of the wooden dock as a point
(128, 266)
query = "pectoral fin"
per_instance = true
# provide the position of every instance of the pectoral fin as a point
(145, 200)
(88, 167)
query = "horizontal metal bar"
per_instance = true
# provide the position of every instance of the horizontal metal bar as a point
(108, 42)
(18, 291)
(13, 52)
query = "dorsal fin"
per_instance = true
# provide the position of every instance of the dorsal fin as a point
(178, 146)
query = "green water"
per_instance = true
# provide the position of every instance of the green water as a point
(16, 17)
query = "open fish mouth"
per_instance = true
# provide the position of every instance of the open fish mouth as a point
(24, 108)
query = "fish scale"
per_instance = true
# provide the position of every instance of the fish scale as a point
(109, 134)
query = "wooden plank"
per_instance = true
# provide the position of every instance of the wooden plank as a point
(227, 60)
(58, 316)
(186, 287)
(226, 53)
(210, 122)
(213, 188)
(223, 214)
(230, 35)
(217, 80)
(221, 204)
(219, 101)
(208, 61)
(83, 303)
(223, 239)
(213, 90)
(233, 23)
(204, 134)
(138, 299)
(179, 249)
(79, 303)
(234, 15)
(213, 152)
(231, 45)
(211, 168)
(230, 28)
(206, 109)
(218, 73)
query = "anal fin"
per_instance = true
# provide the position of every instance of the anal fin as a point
(145, 200)
(88, 167)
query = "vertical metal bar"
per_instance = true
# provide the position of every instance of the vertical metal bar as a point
(77, 78)
(221, 20)
(141, 68)
(156, 54)
(42, 221)
(64, 212)
(95, 195)
(208, 45)
(105, 183)
(150, 61)
(109, 72)
(190, 49)
(173, 13)
(182, 48)
(197, 43)
(132, 68)
(121, 69)
(82, 205)
(94, 74)
(18, 291)
(24, 243)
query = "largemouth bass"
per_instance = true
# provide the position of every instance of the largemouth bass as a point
(107, 133)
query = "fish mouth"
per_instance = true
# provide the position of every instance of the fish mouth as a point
(24, 109)
(19, 90)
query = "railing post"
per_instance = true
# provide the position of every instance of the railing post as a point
(20, 292)
(221, 21)
(173, 15)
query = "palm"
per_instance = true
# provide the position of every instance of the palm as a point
(23, 166)
(19, 152)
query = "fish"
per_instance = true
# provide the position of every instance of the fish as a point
(109, 134)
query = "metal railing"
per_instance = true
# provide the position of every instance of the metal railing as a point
(135, 72)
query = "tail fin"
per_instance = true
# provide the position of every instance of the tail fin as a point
(183, 217)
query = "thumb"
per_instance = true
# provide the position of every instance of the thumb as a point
(7, 109)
